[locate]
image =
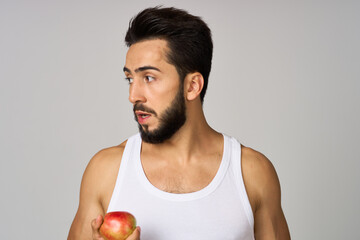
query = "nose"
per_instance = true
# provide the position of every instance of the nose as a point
(136, 92)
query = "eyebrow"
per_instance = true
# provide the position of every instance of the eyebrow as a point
(140, 69)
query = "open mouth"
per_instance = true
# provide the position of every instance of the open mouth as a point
(142, 116)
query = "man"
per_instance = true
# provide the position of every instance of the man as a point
(180, 178)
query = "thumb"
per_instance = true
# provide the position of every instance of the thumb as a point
(96, 223)
(135, 235)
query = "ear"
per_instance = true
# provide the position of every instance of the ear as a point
(194, 83)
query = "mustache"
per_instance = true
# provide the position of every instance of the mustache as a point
(141, 107)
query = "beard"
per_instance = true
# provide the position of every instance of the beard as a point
(170, 121)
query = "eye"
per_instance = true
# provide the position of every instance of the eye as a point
(149, 79)
(129, 80)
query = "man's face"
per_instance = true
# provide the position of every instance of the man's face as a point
(155, 91)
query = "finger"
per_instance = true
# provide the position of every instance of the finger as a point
(135, 235)
(95, 225)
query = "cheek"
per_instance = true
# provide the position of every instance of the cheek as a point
(161, 104)
(162, 95)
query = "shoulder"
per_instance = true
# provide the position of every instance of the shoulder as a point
(107, 156)
(105, 159)
(100, 175)
(256, 163)
(260, 178)
(263, 189)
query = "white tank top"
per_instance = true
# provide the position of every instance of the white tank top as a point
(221, 210)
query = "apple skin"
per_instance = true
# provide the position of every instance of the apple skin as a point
(117, 225)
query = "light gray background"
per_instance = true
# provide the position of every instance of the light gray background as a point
(285, 81)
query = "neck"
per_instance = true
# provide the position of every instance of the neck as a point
(191, 139)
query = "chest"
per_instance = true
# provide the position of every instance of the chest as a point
(202, 220)
(177, 178)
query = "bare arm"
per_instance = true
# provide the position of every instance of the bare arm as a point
(96, 189)
(263, 188)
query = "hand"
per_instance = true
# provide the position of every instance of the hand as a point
(135, 235)
(96, 223)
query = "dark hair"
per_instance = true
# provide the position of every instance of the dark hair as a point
(188, 38)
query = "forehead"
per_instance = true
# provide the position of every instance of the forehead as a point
(148, 52)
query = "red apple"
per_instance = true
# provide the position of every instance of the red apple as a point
(117, 225)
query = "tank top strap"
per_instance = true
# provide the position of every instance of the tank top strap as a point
(237, 169)
(129, 150)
